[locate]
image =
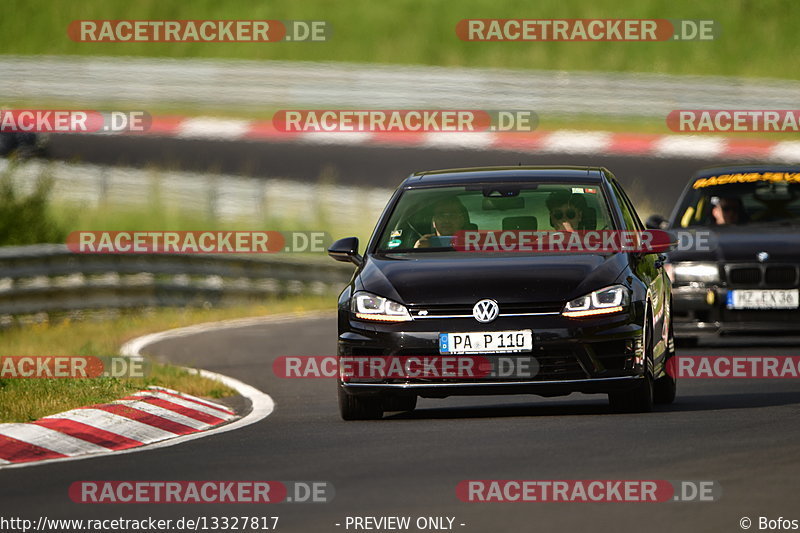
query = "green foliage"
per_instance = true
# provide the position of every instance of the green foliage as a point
(757, 36)
(27, 218)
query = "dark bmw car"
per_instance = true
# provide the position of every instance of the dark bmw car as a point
(589, 322)
(746, 279)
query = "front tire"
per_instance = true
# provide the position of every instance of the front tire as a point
(353, 407)
(664, 389)
(400, 403)
(666, 386)
(640, 398)
(637, 400)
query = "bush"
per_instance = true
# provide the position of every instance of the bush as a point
(26, 219)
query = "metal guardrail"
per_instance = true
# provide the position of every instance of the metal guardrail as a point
(269, 84)
(51, 279)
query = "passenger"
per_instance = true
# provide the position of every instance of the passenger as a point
(449, 217)
(773, 210)
(566, 210)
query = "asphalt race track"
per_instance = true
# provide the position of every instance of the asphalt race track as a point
(657, 182)
(742, 434)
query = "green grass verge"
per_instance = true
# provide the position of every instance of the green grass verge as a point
(76, 217)
(756, 38)
(24, 400)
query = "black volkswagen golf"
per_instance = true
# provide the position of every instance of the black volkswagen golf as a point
(565, 320)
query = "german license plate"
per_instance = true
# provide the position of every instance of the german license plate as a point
(763, 299)
(486, 342)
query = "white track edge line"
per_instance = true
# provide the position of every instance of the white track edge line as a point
(262, 403)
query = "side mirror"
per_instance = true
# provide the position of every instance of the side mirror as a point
(346, 250)
(656, 222)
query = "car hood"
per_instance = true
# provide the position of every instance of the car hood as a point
(442, 279)
(743, 245)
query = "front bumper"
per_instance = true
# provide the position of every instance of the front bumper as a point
(596, 355)
(700, 310)
(541, 388)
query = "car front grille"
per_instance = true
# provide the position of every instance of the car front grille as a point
(554, 365)
(772, 276)
(744, 276)
(781, 275)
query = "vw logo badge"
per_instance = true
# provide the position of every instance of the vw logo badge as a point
(485, 311)
(762, 256)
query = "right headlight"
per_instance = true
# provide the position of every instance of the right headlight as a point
(368, 306)
(685, 272)
(600, 302)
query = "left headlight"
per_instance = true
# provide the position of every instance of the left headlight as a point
(600, 302)
(368, 306)
(686, 272)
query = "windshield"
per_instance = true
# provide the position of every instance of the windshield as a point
(742, 199)
(427, 219)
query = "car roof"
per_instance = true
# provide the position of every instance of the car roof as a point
(728, 169)
(458, 176)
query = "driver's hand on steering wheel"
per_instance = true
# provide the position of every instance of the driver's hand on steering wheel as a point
(424, 241)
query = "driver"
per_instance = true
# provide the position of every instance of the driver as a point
(727, 210)
(449, 217)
